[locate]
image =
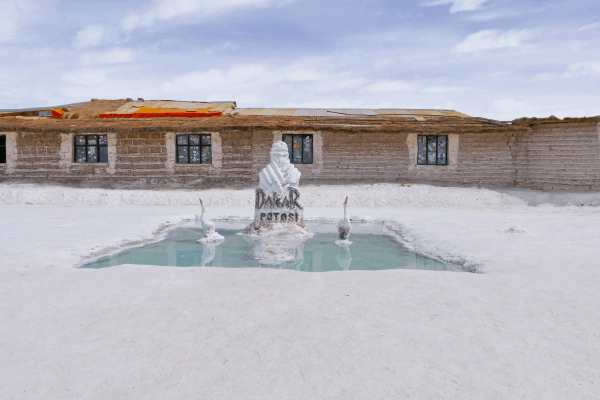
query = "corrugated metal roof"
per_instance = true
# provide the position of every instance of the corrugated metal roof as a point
(427, 112)
(191, 109)
(40, 108)
(419, 115)
(455, 114)
(394, 113)
(352, 112)
(311, 112)
(248, 111)
(286, 112)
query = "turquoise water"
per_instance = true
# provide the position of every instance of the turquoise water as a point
(371, 250)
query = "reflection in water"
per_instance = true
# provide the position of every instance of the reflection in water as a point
(208, 254)
(318, 254)
(273, 252)
(344, 258)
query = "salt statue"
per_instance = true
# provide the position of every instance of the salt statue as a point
(277, 194)
(344, 227)
(278, 232)
(210, 235)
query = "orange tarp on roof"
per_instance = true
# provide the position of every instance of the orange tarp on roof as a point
(168, 108)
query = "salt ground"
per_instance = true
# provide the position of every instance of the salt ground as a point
(525, 327)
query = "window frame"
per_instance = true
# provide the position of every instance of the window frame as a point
(87, 146)
(2, 149)
(441, 159)
(305, 154)
(201, 145)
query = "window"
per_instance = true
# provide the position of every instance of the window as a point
(300, 148)
(91, 148)
(194, 149)
(2, 149)
(432, 149)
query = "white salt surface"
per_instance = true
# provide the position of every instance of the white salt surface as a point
(526, 328)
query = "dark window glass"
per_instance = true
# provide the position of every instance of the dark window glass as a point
(182, 154)
(103, 154)
(2, 149)
(206, 155)
(441, 150)
(194, 140)
(193, 149)
(92, 154)
(307, 150)
(300, 148)
(297, 150)
(80, 154)
(288, 140)
(432, 149)
(195, 154)
(422, 150)
(91, 148)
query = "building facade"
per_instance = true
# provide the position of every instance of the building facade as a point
(197, 148)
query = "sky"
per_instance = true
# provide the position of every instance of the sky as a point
(487, 58)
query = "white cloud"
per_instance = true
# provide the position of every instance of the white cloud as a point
(13, 14)
(577, 70)
(116, 55)
(245, 77)
(585, 69)
(391, 86)
(86, 77)
(409, 87)
(169, 9)
(37, 52)
(90, 36)
(492, 39)
(589, 27)
(509, 109)
(458, 5)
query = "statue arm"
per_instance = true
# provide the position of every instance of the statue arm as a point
(275, 176)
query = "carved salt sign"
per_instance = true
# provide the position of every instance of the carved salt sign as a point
(277, 195)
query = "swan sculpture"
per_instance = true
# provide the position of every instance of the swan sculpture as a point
(210, 235)
(344, 227)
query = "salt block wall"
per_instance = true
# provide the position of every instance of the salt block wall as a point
(560, 155)
(479, 158)
(487, 158)
(142, 154)
(38, 154)
(364, 156)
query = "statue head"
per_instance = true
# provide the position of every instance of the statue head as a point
(279, 154)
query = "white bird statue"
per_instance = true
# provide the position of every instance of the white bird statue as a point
(344, 227)
(210, 235)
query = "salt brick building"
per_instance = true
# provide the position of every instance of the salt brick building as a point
(171, 144)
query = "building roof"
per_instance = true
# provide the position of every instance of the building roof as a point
(414, 114)
(20, 110)
(128, 108)
(170, 108)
